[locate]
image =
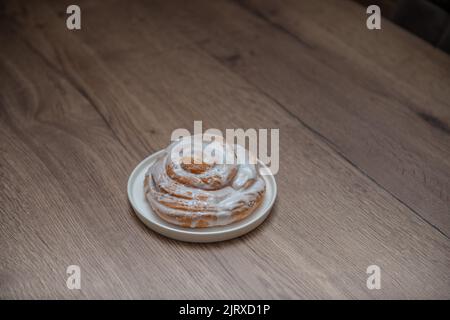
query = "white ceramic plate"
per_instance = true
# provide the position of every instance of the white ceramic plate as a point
(212, 234)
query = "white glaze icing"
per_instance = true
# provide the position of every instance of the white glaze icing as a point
(220, 195)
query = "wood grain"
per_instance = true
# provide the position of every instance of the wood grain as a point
(387, 88)
(80, 109)
(373, 118)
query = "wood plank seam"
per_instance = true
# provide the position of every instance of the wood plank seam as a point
(277, 27)
(230, 282)
(427, 117)
(432, 121)
(336, 150)
(273, 24)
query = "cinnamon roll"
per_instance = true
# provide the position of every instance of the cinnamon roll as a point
(198, 192)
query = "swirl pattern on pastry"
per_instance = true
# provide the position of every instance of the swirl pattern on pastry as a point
(202, 194)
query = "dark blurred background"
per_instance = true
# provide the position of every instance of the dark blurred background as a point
(428, 19)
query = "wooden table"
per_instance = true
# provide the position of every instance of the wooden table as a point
(364, 119)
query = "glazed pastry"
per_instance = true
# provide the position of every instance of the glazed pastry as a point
(198, 194)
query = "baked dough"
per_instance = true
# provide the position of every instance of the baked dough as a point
(198, 194)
